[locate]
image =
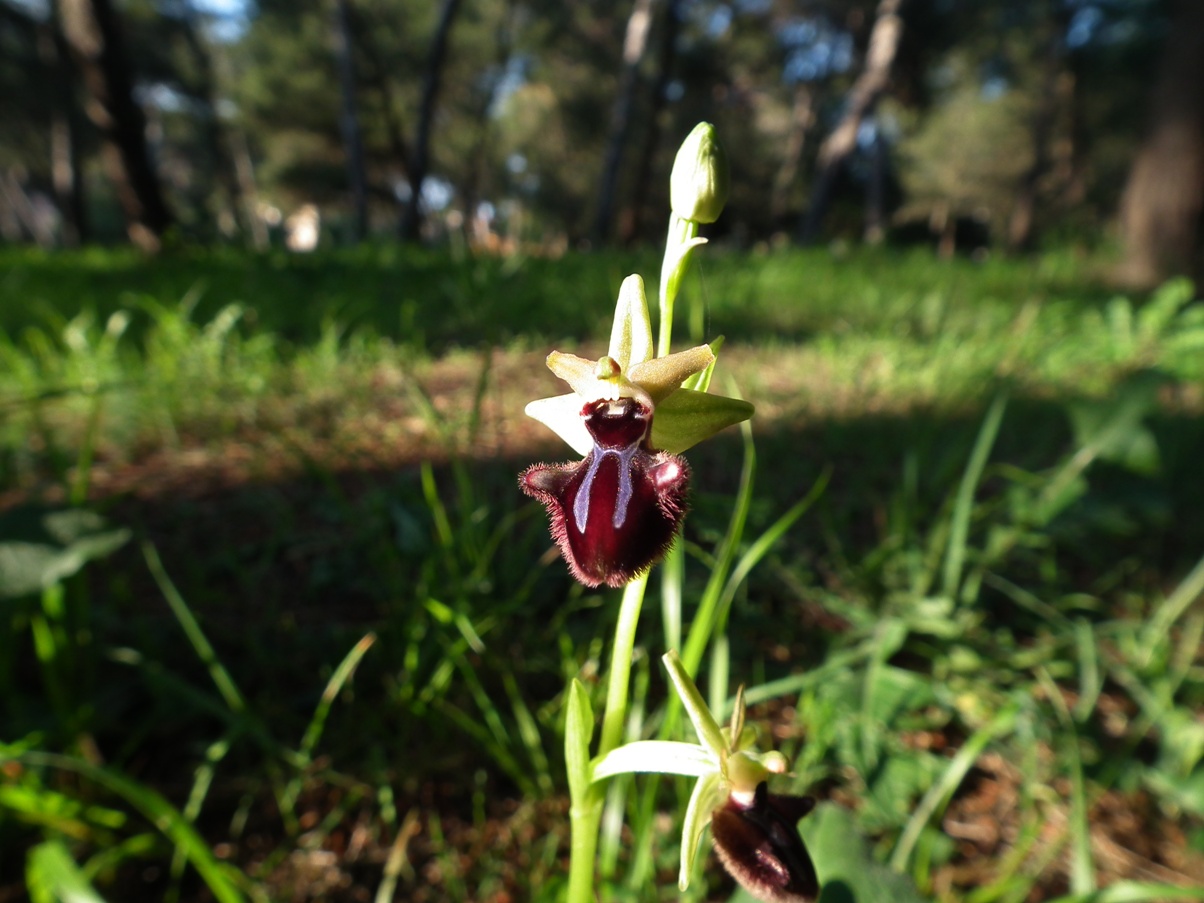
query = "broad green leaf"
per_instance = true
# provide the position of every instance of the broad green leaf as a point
(847, 870)
(42, 546)
(578, 729)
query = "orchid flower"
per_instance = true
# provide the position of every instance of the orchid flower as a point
(615, 512)
(754, 831)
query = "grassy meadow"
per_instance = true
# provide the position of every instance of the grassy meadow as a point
(281, 627)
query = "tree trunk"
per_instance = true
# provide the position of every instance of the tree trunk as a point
(634, 45)
(377, 78)
(470, 192)
(93, 32)
(802, 117)
(631, 220)
(23, 218)
(875, 191)
(1163, 200)
(866, 90)
(349, 119)
(411, 217)
(226, 201)
(1022, 220)
(64, 135)
(244, 170)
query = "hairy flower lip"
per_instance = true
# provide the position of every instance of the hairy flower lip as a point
(615, 512)
(758, 843)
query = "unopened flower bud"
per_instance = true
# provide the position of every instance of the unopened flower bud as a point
(698, 185)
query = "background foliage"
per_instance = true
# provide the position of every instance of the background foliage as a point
(278, 625)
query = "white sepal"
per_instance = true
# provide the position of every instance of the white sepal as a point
(660, 756)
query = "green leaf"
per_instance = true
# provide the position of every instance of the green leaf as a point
(52, 876)
(657, 756)
(578, 729)
(1113, 429)
(42, 546)
(847, 871)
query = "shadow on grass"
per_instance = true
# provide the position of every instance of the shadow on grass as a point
(287, 576)
(451, 568)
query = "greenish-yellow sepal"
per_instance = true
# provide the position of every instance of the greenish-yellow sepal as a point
(687, 417)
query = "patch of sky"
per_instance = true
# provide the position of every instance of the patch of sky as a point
(227, 20)
(994, 87)
(1083, 25)
(1112, 24)
(867, 133)
(167, 99)
(719, 21)
(815, 50)
(506, 80)
(38, 9)
(994, 78)
(437, 193)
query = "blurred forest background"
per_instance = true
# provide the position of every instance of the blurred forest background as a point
(984, 123)
(276, 623)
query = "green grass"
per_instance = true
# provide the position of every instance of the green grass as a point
(335, 654)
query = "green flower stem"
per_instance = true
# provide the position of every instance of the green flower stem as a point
(681, 233)
(585, 817)
(615, 714)
(585, 813)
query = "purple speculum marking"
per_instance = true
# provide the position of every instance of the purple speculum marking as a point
(615, 512)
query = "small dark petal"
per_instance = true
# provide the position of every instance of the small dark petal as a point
(760, 847)
(615, 512)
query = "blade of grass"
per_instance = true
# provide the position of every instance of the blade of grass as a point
(313, 731)
(217, 876)
(221, 678)
(1082, 865)
(1189, 590)
(963, 507)
(201, 782)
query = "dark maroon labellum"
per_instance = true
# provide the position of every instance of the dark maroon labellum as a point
(759, 845)
(614, 513)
